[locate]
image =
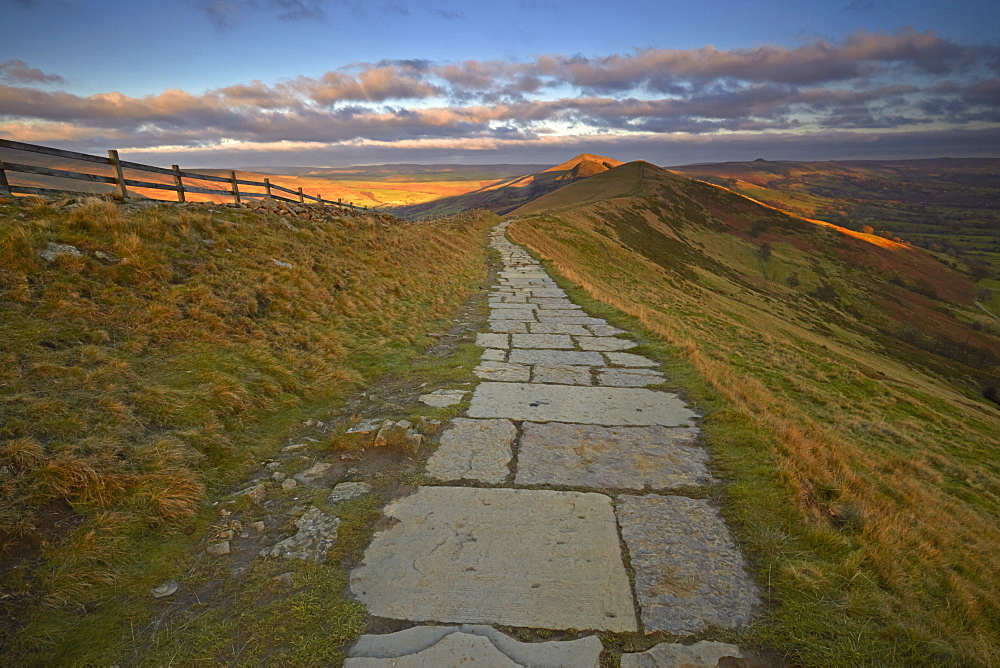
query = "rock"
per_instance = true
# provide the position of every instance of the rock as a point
(460, 554)
(257, 493)
(53, 252)
(581, 455)
(538, 402)
(256, 527)
(366, 426)
(165, 589)
(289, 483)
(314, 474)
(284, 580)
(605, 330)
(294, 447)
(474, 450)
(689, 574)
(346, 491)
(702, 654)
(443, 398)
(219, 549)
(278, 476)
(271, 466)
(316, 535)
(283, 265)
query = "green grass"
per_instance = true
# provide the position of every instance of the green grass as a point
(145, 377)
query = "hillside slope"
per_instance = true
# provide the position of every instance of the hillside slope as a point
(154, 356)
(842, 377)
(505, 196)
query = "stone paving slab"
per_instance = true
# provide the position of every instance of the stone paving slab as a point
(560, 306)
(496, 355)
(503, 371)
(562, 375)
(634, 377)
(513, 314)
(548, 292)
(552, 328)
(460, 554)
(542, 341)
(455, 649)
(581, 319)
(508, 326)
(604, 343)
(628, 359)
(556, 357)
(493, 340)
(689, 574)
(612, 406)
(474, 450)
(579, 455)
(605, 330)
(702, 654)
(580, 653)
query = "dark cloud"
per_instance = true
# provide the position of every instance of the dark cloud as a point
(449, 14)
(224, 14)
(18, 72)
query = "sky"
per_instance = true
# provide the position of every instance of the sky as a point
(244, 83)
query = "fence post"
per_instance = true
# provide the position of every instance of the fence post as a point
(267, 186)
(236, 188)
(340, 202)
(178, 183)
(117, 164)
(302, 199)
(4, 186)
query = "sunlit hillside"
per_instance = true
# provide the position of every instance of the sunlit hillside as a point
(843, 377)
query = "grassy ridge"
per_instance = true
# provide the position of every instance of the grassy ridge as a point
(143, 375)
(863, 479)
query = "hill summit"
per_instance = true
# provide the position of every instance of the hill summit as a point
(504, 196)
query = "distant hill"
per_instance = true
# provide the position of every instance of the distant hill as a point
(944, 204)
(505, 196)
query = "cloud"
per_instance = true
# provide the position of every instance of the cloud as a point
(18, 72)
(867, 82)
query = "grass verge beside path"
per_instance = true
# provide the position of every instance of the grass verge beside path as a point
(142, 374)
(863, 492)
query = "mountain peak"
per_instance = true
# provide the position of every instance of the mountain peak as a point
(573, 163)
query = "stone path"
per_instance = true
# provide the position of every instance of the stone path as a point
(567, 475)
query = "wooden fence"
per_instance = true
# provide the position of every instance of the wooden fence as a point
(118, 179)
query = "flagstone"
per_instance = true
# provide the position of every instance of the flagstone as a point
(462, 554)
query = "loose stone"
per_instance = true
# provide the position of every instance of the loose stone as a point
(316, 535)
(346, 491)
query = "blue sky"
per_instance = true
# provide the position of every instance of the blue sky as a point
(332, 82)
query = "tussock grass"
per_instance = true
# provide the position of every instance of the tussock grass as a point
(143, 376)
(862, 476)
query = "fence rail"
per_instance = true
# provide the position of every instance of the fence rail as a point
(122, 183)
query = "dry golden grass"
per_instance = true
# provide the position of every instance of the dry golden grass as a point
(889, 471)
(147, 373)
